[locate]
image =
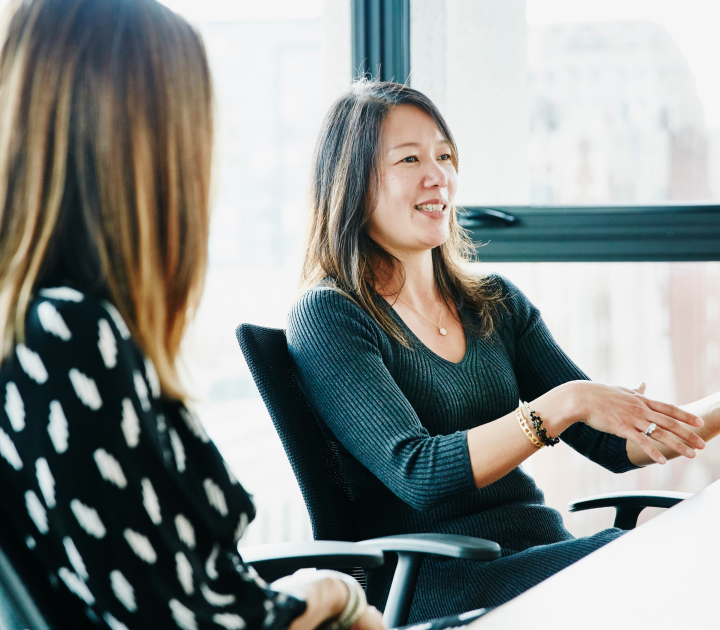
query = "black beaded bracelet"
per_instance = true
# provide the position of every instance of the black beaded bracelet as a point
(542, 433)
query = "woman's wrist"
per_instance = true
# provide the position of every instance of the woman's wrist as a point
(561, 407)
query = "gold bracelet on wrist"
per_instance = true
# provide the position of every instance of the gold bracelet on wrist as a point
(526, 429)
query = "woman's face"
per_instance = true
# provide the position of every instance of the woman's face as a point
(417, 184)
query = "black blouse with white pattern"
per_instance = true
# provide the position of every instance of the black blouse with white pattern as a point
(117, 492)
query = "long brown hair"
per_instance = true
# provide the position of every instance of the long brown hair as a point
(345, 174)
(105, 154)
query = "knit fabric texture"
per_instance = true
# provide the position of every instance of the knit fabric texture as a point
(400, 417)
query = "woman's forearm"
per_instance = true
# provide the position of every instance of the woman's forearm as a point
(498, 447)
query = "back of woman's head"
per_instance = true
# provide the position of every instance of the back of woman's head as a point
(343, 191)
(105, 150)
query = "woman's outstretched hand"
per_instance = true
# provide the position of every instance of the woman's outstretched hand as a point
(628, 413)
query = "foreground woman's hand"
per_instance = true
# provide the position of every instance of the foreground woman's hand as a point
(627, 413)
(326, 597)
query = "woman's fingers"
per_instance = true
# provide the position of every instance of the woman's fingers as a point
(672, 426)
(671, 441)
(674, 412)
(646, 445)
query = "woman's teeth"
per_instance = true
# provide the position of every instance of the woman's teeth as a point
(430, 207)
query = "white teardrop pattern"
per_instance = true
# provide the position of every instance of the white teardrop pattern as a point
(141, 390)
(14, 407)
(152, 378)
(46, 481)
(183, 617)
(75, 558)
(242, 524)
(107, 344)
(216, 599)
(9, 452)
(193, 423)
(151, 502)
(109, 468)
(88, 518)
(123, 590)
(130, 423)
(37, 512)
(184, 573)
(117, 318)
(210, 564)
(31, 363)
(141, 546)
(185, 530)
(85, 389)
(229, 621)
(76, 585)
(65, 294)
(178, 450)
(230, 474)
(215, 496)
(58, 427)
(52, 322)
(113, 623)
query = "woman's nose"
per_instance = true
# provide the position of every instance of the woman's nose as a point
(435, 175)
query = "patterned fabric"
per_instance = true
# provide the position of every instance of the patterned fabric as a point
(116, 491)
(401, 415)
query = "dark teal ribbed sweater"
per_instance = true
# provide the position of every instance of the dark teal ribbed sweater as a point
(400, 417)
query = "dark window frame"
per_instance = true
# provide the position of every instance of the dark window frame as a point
(607, 233)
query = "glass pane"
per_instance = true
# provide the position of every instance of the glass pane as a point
(562, 102)
(566, 102)
(273, 80)
(624, 323)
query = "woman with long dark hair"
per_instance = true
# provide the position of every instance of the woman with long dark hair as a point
(107, 478)
(437, 383)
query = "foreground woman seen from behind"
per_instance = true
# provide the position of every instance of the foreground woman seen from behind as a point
(416, 365)
(107, 478)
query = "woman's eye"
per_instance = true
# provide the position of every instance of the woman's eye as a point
(445, 156)
(410, 159)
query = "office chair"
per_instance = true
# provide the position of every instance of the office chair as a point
(314, 460)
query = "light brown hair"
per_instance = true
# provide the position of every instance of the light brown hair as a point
(105, 154)
(344, 179)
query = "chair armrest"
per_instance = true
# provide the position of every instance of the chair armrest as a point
(628, 505)
(273, 561)
(411, 549)
(638, 499)
(451, 545)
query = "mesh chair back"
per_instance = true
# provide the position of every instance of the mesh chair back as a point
(312, 456)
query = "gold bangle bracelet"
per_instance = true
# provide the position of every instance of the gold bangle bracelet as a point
(526, 429)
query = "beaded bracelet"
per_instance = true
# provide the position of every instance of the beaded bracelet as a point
(526, 430)
(537, 425)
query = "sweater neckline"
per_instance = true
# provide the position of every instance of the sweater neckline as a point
(422, 346)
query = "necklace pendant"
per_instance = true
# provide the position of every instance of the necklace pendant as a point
(443, 332)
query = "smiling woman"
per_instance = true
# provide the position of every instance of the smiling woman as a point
(385, 154)
(416, 366)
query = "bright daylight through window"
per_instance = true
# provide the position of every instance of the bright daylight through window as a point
(574, 102)
(551, 102)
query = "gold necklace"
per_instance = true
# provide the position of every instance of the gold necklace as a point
(441, 330)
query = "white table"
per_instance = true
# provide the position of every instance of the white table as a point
(664, 574)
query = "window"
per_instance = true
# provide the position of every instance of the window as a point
(611, 110)
(276, 66)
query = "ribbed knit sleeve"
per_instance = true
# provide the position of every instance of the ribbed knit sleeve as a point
(341, 355)
(541, 365)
